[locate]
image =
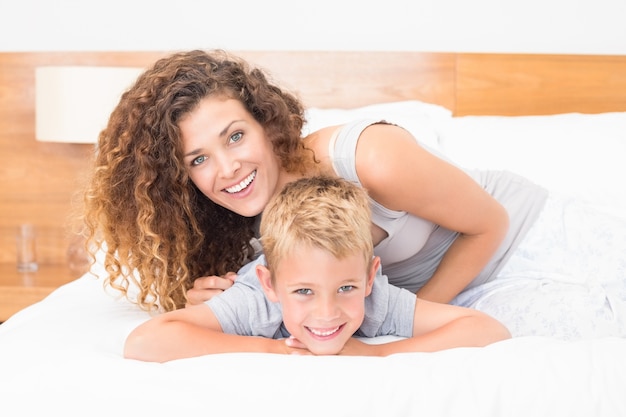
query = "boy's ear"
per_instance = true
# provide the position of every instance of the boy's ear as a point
(265, 278)
(372, 275)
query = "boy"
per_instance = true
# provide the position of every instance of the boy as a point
(317, 286)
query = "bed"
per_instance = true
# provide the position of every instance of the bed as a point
(539, 115)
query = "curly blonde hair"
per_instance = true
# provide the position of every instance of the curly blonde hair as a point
(157, 230)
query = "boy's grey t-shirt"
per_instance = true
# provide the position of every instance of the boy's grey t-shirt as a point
(244, 309)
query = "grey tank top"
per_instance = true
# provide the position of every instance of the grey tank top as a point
(414, 247)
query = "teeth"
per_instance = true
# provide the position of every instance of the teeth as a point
(243, 184)
(324, 332)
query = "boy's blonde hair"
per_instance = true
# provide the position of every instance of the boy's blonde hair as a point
(322, 212)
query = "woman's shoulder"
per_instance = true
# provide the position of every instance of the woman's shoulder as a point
(321, 136)
(319, 142)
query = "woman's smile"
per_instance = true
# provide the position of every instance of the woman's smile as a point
(242, 185)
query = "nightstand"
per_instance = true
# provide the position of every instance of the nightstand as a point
(21, 289)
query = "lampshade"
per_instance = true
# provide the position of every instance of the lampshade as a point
(73, 103)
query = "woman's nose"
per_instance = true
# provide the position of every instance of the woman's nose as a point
(227, 166)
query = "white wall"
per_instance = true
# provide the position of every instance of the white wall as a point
(539, 26)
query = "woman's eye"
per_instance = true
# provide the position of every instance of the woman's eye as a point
(346, 288)
(304, 291)
(198, 160)
(235, 137)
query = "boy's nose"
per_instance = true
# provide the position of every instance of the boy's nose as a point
(326, 308)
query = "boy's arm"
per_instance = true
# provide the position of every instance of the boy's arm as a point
(438, 326)
(189, 332)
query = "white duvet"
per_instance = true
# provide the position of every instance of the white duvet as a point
(63, 356)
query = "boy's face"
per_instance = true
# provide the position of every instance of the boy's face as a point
(322, 297)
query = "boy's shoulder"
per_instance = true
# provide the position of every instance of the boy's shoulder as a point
(247, 273)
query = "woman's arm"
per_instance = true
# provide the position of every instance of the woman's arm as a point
(402, 175)
(190, 332)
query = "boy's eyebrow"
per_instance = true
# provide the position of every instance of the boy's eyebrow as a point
(297, 283)
(346, 281)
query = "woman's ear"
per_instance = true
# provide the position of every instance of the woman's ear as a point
(265, 278)
(371, 276)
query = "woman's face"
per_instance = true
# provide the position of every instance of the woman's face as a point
(228, 156)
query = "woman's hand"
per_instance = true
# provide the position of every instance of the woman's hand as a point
(355, 347)
(205, 288)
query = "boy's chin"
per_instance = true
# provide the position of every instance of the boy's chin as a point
(330, 349)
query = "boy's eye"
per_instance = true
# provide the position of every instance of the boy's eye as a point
(198, 160)
(235, 137)
(346, 288)
(304, 291)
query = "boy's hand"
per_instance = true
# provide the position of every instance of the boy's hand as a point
(353, 347)
(296, 347)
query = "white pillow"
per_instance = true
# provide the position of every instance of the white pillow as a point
(417, 117)
(577, 154)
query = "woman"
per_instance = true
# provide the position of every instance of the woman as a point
(202, 141)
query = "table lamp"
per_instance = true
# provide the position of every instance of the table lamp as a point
(73, 103)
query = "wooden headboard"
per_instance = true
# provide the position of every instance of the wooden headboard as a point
(39, 180)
